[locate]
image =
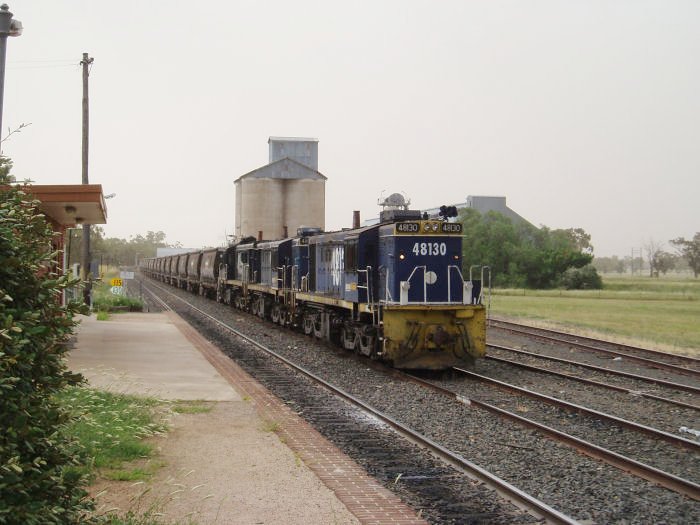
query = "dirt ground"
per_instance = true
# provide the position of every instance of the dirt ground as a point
(221, 467)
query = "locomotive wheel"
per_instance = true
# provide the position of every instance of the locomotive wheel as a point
(275, 314)
(349, 339)
(318, 327)
(368, 342)
(288, 318)
(308, 325)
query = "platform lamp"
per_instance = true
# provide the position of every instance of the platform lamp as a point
(8, 27)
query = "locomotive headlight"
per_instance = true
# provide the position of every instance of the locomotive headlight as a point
(402, 256)
(427, 227)
(435, 227)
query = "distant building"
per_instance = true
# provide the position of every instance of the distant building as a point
(484, 204)
(273, 201)
(480, 203)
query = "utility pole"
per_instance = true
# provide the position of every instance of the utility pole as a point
(85, 252)
(8, 27)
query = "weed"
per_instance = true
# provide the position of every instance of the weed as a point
(111, 427)
(192, 407)
(271, 426)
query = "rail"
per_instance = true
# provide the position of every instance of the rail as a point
(517, 496)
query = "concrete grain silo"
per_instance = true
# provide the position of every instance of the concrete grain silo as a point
(276, 199)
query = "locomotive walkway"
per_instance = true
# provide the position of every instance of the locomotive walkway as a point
(232, 467)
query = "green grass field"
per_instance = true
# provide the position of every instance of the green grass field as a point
(660, 313)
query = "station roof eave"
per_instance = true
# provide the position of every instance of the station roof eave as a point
(69, 205)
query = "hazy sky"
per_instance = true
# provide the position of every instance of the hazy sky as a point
(583, 114)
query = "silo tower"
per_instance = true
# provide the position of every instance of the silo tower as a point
(273, 201)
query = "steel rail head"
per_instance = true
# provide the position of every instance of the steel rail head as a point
(521, 328)
(660, 434)
(642, 470)
(662, 382)
(592, 382)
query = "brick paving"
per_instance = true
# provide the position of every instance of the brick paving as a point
(363, 496)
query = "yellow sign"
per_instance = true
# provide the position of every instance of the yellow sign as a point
(115, 282)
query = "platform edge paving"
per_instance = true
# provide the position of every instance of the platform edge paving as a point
(364, 497)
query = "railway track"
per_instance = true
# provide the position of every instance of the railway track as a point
(665, 479)
(670, 385)
(679, 364)
(521, 456)
(329, 413)
(587, 381)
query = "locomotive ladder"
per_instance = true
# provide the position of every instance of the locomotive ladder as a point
(370, 299)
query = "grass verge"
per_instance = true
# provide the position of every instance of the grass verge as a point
(112, 429)
(662, 313)
(103, 300)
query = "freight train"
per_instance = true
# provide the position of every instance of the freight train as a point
(394, 291)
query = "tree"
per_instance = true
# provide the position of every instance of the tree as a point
(115, 251)
(690, 251)
(35, 484)
(655, 256)
(520, 254)
(611, 264)
(665, 261)
(5, 166)
(585, 278)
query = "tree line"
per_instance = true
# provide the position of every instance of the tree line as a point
(113, 251)
(521, 255)
(655, 259)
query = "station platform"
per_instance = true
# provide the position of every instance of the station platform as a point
(250, 459)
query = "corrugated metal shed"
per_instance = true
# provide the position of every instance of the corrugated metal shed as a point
(302, 150)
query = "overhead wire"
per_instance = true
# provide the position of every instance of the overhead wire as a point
(44, 63)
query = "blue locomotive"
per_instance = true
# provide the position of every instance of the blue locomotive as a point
(394, 291)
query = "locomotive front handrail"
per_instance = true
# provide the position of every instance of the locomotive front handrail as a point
(488, 308)
(387, 293)
(449, 281)
(471, 268)
(425, 285)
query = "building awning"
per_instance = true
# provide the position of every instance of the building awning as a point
(70, 204)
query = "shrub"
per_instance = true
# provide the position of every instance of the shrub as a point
(109, 303)
(35, 484)
(586, 278)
